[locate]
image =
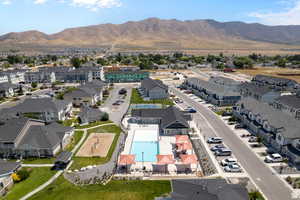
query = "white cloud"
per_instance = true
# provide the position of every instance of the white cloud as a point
(94, 5)
(289, 16)
(39, 1)
(5, 2)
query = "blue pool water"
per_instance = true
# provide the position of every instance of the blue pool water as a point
(150, 150)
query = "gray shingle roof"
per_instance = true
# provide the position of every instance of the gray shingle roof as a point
(6, 86)
(7, 167)
(287, 125)
(208, 189)
(273, 80)
(255, 89)
(11, 129)
(149, 83)
(168, 115)
(90, 114)
(213, 88)
(289, 100)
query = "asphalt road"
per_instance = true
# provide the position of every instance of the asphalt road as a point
(116, 112)
(211, 125)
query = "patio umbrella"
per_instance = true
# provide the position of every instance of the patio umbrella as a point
(165, 160)
(126, 160)
(184, 146)
(182, 139)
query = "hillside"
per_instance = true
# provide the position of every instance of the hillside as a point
(167, 34)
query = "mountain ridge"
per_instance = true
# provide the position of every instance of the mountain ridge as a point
(173, 33)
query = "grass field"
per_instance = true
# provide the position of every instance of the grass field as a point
(80, 162)
(273, 71)
(137, 99)
(97, 123)
(114, 190)
(37, 177)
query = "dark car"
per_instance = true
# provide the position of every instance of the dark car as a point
(122, 91)
(239, 126)
(116, 104)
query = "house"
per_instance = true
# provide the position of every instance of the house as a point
(289, 104)
(24, 137)
(261, 93)
(16, 76)
(171, 120)
(39, 77)
(6, 170)
(274, 82)
(217, 94)
(88, 115)
(154, 89)
(45, 109)
(207, 189)
(8, 89)
(87, 94)
(3, 77)
(278, 129)
(125, 76)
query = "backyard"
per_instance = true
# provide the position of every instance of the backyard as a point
(114, 190)
(80, 162)
(137, 99)
(37, 177)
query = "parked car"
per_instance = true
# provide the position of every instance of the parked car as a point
(223, 152)
(239, 126)
(116, 104)
(228, 161)
(122, 91)
(214, 140)
(191, 110)
(233, 168)
(274, 158)
(253, 139)
(217, 147)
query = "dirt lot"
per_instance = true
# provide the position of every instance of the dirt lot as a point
(293, 74)
(97, 144)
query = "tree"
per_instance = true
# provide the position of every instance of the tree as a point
(76, 62)
(282, 62)
(243, 62)
(34, 85)
(105, 117)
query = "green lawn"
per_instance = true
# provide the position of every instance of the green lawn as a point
(114, 190)
(97, 123)
(69, 122)
(80, 162)
(38, 161)
(76, 138)
(137, 99)
(37, 177)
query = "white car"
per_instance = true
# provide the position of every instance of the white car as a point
(228, 161)
(274, 158)
(233, 168)
(214, 140)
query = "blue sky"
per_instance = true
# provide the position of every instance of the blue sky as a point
(52, 16)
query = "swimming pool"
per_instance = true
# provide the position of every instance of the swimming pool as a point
(145, 151)
(145, 144)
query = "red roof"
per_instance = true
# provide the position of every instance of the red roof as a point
(165, 159)
(188, 159)
(184, 146)
(182, 138)
(127, 159)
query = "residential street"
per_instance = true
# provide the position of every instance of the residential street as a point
(116, 112)
(211, 125)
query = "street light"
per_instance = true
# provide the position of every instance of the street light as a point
(143, 161)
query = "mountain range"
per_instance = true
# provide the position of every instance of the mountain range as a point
(154, 33)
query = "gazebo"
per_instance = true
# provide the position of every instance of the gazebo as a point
(162, 163)
(126, 160)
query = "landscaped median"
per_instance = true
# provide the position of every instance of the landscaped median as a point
(37, 177)
(80, 162)
(114, 190)
(137, 99)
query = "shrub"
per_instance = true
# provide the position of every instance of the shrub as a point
(23, 174)
(16, 178)
(105, 117)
